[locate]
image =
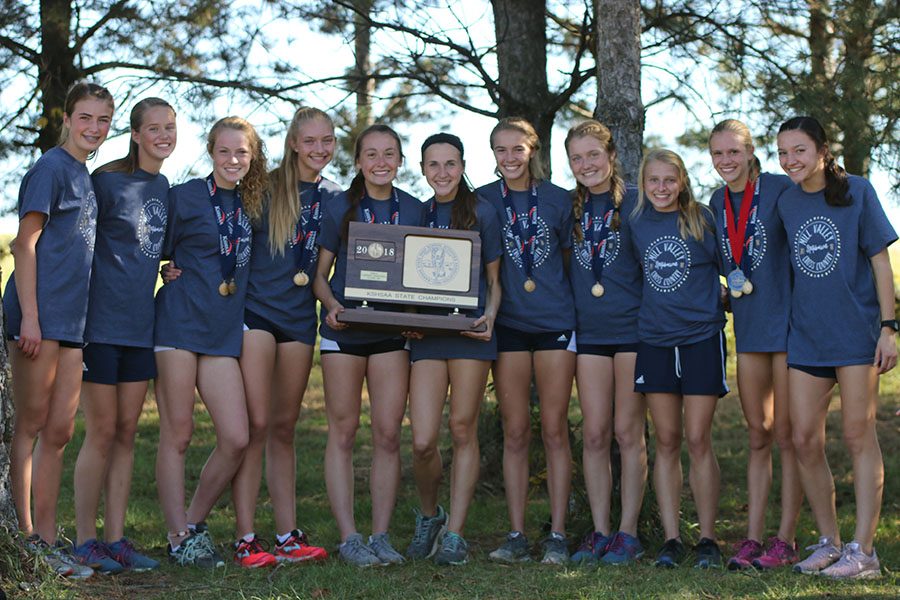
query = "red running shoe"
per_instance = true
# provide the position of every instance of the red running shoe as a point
(778, 554)
(252, 554)
(297, 549)
(745, 552)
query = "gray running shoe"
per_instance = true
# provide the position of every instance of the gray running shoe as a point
(195, 550)
(824, 554)
(355, 551)
(556, 550)
(49, 556)
(428, 531)
(454, 550)
(63, 552)
(201, 530)
(380, 544)
(513, 550)
(854, 564)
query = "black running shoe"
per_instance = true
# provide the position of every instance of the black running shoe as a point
(708, 554)
(671, 554)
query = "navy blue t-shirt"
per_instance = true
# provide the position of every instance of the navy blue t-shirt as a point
(271, 292)
(549, 307)
(835, 317)
(459, 346)
(58, 186)
(613, 317)
(761, 317)
(190, 312)
(680, 300)
(132, 215)
(331, 237)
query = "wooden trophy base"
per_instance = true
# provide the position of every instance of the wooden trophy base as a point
(395, 322)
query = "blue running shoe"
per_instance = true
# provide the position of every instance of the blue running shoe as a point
(592, 548)
(97, 556)
(126, 555)
(623, 549)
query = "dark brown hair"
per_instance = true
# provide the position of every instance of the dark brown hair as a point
(837, 188)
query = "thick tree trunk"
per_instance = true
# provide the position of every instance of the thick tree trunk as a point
(521, 32)
(7, 509)
(57, 69)
(619, 104)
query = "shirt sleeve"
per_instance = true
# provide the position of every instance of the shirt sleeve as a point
(40, 191)
(875, 230)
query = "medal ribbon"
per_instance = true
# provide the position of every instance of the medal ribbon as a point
(230, 229)
(739, 234)
(523, 233)
(432, 220)
(305, 241)
(597, 235)
(368, 209)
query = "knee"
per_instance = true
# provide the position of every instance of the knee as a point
(516, 438)
(386, 439)
(760, 436)
(57, 435)
(668, 443)
(30, 421)
(596, 441)
(125, 434)
(859, 435)
(177, 437)
(630, 438)
(282, 431)
(463, 432)
(784, 437)
(807, 444)
(424, 449)
(233, 443)
(555, 437)
(342, 433)
(699, 444)
(258, 428)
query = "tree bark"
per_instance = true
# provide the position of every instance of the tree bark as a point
(619, 104)
(7, 509)
(521, 32)
(362, 68)
(57, 68)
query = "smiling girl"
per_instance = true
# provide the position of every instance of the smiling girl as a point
(45, 306)
(606, 284)
(842, 329)
(280, 334)
(199, 333)
(680, 362)
(462, 363)
(118, 357)
(534, 331)
(351, 356)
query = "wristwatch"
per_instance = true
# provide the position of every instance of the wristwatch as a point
(892, 323)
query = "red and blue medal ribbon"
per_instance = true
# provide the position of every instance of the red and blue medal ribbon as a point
(431, 219)
(231, 232)
(304, 242)
(524, 231)
(739, 232)
(367, 207)
(596, 233)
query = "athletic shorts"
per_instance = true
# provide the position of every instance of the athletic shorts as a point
(327, 346)
(112, 363)
(254, 321)
(515, 340)
(609, 350)
(692, 369)
(823, 372)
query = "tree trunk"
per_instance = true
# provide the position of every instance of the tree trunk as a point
(7, 509)
(521, 32)
(57, 69)
(362, 68)
(619, 105)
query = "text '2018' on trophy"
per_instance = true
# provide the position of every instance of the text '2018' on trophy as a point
(432, 269)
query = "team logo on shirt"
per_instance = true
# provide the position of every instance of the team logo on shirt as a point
(756, 245)
(437, 263)
(152, 227)
(87, 220)
(541, 242)
(817, 247)
(583, 251)
(243, 256)
(667, 263)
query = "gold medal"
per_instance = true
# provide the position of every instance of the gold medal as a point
(747, 288)
(529, 285)
(232, 287)
(301, 278)
(736, 293)
(597, 290)
(223, 289)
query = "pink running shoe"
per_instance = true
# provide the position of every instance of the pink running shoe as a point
(778, 554)
(745, 552)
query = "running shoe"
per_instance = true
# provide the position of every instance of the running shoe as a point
(454, 550)
(428, 531)
(195, 551)
(49, 556)
(824, 554)
(556, 550)
(354, 550)
(96, 555)
(854, 564)
(671, 554)
(778, 554)
(709, 555)
(298, 549)
(513, 550)
(592, 548)
(380, 543)
(201, 530)
(126, 555)
(252, 554)
(623, 549)
(745, 552)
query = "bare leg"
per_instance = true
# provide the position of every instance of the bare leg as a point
(428, 383)
(596, 387)
(665, 410)
(630, 417)
(512, 377)
(704, 474)
(99, 404)
(791, 490)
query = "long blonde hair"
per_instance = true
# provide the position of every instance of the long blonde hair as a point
(284, 180)
(690, 212)
(254, 183)
(520, 125)
(601, 133)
